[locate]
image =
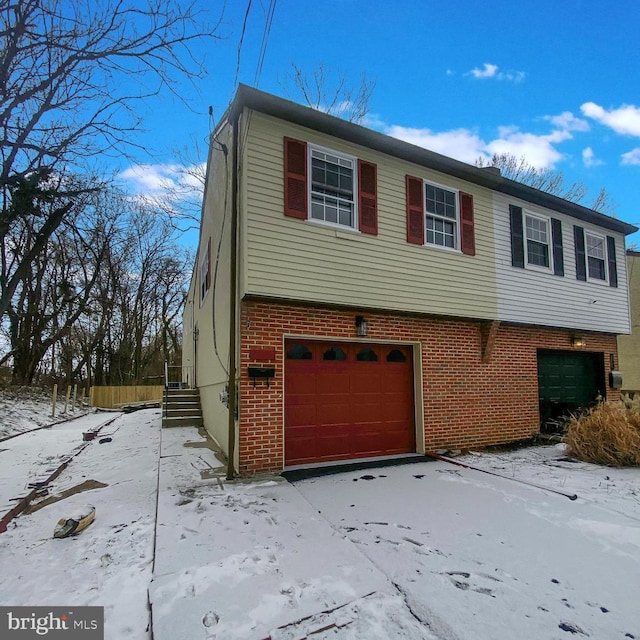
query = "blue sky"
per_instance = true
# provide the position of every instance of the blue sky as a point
(557, 82)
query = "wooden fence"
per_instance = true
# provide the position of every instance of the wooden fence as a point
(113, 397)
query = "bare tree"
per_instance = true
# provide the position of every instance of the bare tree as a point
(549, 180)
(179, 197)
(331, 93)
(70, 76)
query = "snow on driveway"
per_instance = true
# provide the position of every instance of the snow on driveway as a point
(483, 558)
(253, 560)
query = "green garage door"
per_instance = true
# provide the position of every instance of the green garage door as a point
(568, 381)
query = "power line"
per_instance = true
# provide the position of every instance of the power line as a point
(244, 28)
(265, 39)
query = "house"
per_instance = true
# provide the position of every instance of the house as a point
(386, 299)
(629, 345)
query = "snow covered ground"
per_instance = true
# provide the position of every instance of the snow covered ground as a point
(427, 550)
(26, 408)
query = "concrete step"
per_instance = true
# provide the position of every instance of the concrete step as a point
(181, 408)
(182, 421)
(187, 393)
(172, 404)
(173, 412)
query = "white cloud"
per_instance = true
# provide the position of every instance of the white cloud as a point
(154, 179)
(568, 122)
(624, 120)
(493, 71)
(631, 157)
(488, 71)
(468, 146)
(539, 150)
(460, 144)
(589, 158)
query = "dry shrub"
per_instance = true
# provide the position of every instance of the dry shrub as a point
(608, 433)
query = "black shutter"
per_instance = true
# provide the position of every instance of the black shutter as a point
(611, 256)
(517, 236)
(558, 253)
(581, 263)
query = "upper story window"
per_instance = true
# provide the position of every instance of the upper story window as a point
(538, 241)
(332, 188)
(441, 216)
(596, 256)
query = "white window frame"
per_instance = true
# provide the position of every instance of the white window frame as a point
(547, 222)
(354, 202)
(456, 222)
(204, 270)
(605, 257)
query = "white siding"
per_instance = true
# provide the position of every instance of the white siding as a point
(301, 260)
(533, 297)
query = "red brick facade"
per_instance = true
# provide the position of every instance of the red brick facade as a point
(467, 402)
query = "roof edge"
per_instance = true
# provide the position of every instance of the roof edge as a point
(254, 99)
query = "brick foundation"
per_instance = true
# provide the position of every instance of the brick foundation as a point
(469, 401)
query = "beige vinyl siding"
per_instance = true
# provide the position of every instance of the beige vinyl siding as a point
(308, 261)
(534, 297)
(629, 346)
(209, 354)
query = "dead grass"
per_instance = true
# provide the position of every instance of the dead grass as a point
(608, 434)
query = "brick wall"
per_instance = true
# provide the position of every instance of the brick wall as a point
(467, 402)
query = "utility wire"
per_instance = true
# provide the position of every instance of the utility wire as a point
(240, 43)
(265, 40)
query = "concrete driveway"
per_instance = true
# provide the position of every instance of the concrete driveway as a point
(480, 557)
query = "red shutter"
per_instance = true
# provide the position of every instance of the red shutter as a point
(415, 211)
(295, 179)
(467, 232)
(368, 197)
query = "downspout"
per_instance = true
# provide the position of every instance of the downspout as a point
(233, 311)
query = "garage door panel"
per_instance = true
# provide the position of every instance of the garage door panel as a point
(366, 413)
(333, 414)
(352, 408)
(332, 382)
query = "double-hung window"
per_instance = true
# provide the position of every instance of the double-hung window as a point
(596, 256)
(538, 241)
(441, 211)
(332, 188)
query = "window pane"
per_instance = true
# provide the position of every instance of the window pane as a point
(367, 355)
(595, 247)
(335, 353)
(441, 224)
(332, 188)
(537, 253)
(596, 268)
(396, 355)
(299, 352)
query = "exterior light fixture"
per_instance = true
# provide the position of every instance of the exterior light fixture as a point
(361, 327)
(578, 342)
(196, 333)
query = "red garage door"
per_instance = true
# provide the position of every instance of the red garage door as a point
(347, 401)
